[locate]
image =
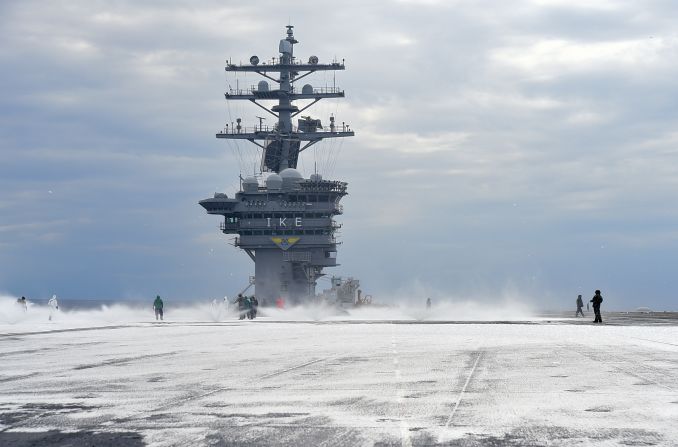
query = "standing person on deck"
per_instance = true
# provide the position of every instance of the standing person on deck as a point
(428, 303)
(255, 306)
(53, 305)
(580, 306)
(241, 306)
(248, 307)
(22, 302)
(158, 307)
(597, 300)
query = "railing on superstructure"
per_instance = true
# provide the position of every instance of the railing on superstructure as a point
(223, 226)
(297, 256)
(261, 132)
(255, 93)
(330, 239)
(323, 186)
(276, 66)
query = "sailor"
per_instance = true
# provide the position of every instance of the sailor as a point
(53, 305)
(428, 303)
(580, 305)
(22, 302)
(255, 306)
(597, 300)
(241, 306)
(280, 303)
(158, 307)
(248, 307)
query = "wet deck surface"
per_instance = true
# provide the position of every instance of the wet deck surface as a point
(547, 381)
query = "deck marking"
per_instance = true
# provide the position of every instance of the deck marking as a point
(655, 341)
(220, 389)
(277, 373)
(405, 439)
(614, 361)
(463, 390)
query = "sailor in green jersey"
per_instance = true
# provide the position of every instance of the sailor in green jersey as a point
(157, 306)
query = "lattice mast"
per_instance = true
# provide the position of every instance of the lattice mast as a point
(283, 142)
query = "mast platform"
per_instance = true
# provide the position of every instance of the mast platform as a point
(255, 134)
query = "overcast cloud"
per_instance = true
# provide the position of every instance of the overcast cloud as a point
(524, 147)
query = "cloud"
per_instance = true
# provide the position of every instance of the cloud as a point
(604, 5)
(413, 143)
(552, 58)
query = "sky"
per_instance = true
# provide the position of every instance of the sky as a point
(504, 150)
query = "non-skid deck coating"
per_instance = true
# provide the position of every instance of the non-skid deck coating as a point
(323, 384)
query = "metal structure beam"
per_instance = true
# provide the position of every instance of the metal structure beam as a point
(274, 95)
(279, 68)
(300, 136)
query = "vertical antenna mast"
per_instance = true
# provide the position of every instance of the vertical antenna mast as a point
(283, 143)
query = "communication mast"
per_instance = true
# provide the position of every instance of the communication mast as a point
(283, 142)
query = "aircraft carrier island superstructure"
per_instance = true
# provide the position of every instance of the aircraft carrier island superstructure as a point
(285, 221)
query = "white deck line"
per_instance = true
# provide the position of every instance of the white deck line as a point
(463, 390)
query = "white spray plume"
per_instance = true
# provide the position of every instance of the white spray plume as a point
(12, 314)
